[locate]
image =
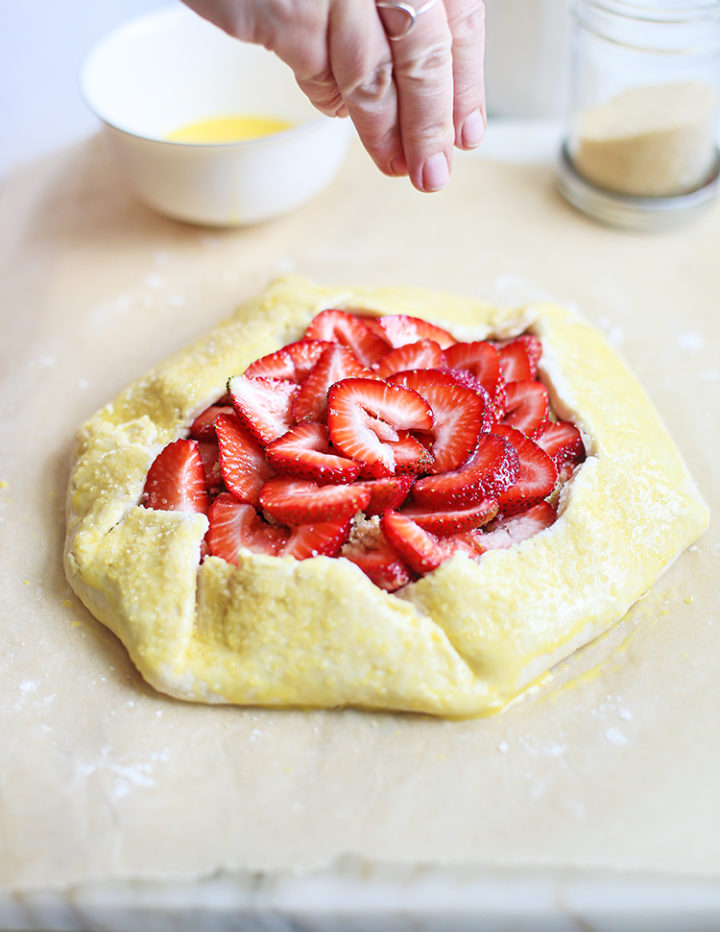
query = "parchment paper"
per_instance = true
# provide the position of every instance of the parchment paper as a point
(614, 763)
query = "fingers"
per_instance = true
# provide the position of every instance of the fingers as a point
(466, 19)
(361, 62)
(297, 33)
(423, 69)
(410, 99)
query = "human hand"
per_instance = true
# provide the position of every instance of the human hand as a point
(411, 98)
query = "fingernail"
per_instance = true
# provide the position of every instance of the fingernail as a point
(435, 172)
(473, 131)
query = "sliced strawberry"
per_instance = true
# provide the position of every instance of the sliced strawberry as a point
(480, 359)
(500, 400)
(381, 429)
(492, 467)
(412, 456)
(536, 478)
(526, 407)
(425, 354)
(494, 407)
(349, 403)
(210, 456)
(305, 353)
(176, 479)
(340, 327)
(334, 363)
(373, 322)
(203, 426)
(420, 549)
(242, 461)
(299, 501)
(533, 348)
(277, 365)
(507, 532)
(263, 405)
(518, 359)
(400, 329)
(458, 413)
(563, 443)
(235, 526)
(382, 564)
(314, 540)
(292, 362)
(386, 494)
(443, 521)
(305, 451)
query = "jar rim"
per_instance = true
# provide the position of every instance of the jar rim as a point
(675, 11)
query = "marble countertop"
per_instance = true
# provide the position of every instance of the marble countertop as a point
(354, 896)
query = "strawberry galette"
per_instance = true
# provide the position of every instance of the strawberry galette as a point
(386, 498)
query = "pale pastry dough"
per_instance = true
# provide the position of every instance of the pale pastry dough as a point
(464, 639)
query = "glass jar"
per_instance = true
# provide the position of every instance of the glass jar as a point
(526, 61)
(640, 148)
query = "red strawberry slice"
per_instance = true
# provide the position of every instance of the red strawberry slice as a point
(492, 467)
(381, 429)
(507, 532)
(210, 456)
(263, 405)
(494, 409)
(203, 427)
(400, 329)
(480, 359)
(563, 443)
(292, 362)
(425, 354)
(515, 362)
(334, 363)
(277, 365)
(373, 322)
(381, 564)
(537, 475)
(499, 400)
(386, 494)
(242, 461)
(412, 456)
(314, 540)
(305, 451)
(299, 501)
(349, 403)
(176, 479)
(420, 549)
(458, 413)
(235, 526)
(445, 521)
(526, 407)
(305, 353)
(533, 348)
(340, 327)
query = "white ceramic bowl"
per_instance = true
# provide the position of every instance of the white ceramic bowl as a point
(171, 68)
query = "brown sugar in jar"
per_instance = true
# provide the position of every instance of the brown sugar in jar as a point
(640, 147)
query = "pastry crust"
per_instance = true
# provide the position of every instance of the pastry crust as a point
(461, 641)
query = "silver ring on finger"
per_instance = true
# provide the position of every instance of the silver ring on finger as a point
(410, 12)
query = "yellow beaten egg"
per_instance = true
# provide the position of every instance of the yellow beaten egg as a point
(231, 128)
